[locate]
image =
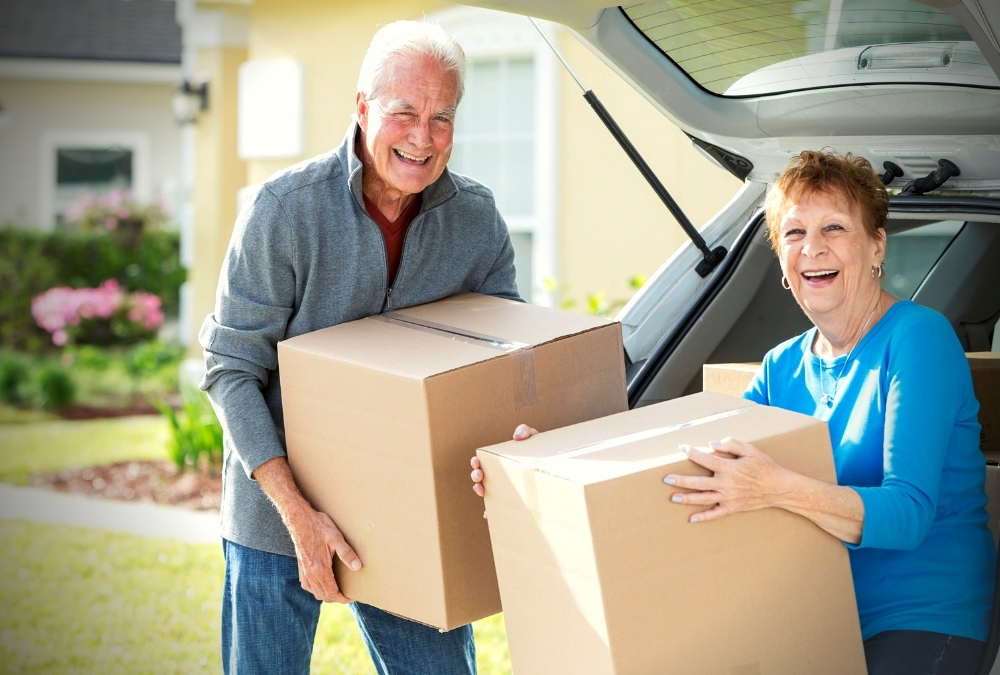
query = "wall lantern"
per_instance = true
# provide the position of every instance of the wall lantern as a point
(189, 100)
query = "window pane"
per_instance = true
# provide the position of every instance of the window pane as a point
(910, 255)
(494, 133)
(484, 164)
(522, 262)
(519, 175)
(750, 47)
(93, 171)
(519, 97)
(483, 113)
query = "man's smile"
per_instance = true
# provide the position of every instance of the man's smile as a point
(410, 159)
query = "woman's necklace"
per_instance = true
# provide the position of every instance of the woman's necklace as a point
(827, 399)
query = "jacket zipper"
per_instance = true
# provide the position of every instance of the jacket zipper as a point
(387, 301)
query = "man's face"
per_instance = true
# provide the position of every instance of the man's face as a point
(407, 132)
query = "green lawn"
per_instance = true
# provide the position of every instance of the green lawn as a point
(59, 444)
(77, 601)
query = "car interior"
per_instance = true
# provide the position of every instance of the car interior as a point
(936, 255)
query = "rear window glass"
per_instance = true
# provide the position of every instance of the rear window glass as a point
(910, 255)
(757, 47)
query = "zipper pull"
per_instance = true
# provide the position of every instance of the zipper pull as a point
(388, 298)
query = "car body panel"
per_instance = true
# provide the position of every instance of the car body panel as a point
(958, 123)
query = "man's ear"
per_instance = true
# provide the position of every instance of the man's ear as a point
(361, 111)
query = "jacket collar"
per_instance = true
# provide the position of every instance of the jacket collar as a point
(436, 193)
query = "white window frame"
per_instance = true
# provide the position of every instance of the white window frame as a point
(136, 141)
(484, 34)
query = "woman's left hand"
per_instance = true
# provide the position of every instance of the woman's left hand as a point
(749, 481)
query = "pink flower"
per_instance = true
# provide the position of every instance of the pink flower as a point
(55, 308)
(111, 223)
(146, 310)
(124, 213)
(59, 337)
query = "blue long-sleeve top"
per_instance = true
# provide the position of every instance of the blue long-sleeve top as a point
(905, 434)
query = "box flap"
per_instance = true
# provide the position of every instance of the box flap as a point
(645, 438)
(426, 340)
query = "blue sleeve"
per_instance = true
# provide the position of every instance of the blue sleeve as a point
(923, 394)
(757, 389)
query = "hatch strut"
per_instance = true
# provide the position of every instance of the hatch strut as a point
(710, 258)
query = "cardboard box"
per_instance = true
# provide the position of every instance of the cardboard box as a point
(383, 414)
(985, 368)
(600, 573)
(728, 378)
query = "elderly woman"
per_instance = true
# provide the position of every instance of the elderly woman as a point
(891, 381)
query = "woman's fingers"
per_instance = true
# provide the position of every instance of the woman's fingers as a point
(714, 513)
(523, 432)
(699, 498)
(691, 482)
(477, 477)
(709, 460)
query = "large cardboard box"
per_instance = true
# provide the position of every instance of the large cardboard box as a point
(985, 368)
(383, 414)
(600, 573)
(728, 378)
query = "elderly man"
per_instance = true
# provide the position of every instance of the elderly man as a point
(377, 223)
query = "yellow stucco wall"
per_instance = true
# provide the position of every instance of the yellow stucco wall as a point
(330, 38)
(612, 224)
(219, 175)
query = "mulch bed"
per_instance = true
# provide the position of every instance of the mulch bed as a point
(157, 481)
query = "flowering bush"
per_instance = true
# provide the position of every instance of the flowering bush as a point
(118, 211)
(101, 314)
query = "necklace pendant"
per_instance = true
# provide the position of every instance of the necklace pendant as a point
(826, 399)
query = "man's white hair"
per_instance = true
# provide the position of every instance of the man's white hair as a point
(405, 40)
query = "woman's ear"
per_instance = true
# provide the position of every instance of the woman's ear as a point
(880, 242)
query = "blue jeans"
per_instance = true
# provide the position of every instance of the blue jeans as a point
(269, 623)
(916, 652)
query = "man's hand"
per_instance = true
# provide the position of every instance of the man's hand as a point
(316, 537)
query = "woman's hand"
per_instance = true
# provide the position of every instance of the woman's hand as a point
(749, 481)
(522, 433)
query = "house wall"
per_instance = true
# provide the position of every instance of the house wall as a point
(329, 37)
(612, 224)
(34, 110)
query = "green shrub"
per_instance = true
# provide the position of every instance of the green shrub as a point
(55, 387)
(32, 262)
(15, 378)
(196, 435)
(147, 359)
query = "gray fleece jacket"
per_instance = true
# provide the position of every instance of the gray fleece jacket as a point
(305, 255)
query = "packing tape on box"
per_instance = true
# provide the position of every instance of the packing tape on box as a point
(451, 332)
(618, 441)
(525, 384)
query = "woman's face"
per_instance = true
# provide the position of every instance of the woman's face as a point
(827, 255)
